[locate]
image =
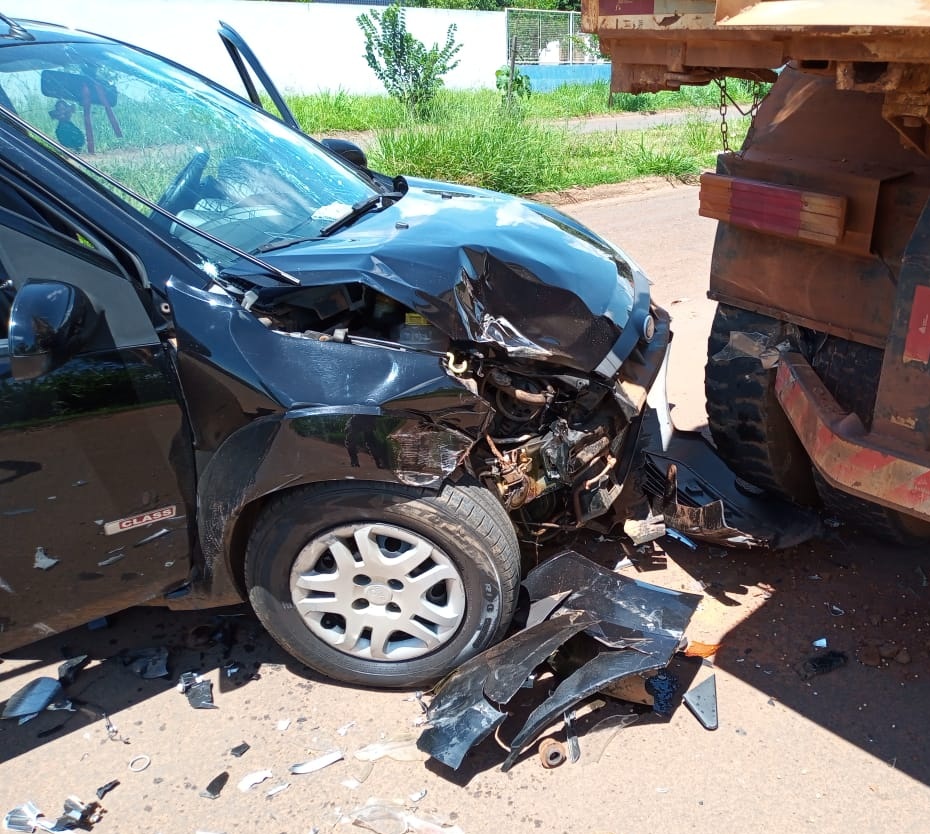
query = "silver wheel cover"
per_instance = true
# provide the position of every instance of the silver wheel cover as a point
(378, 592)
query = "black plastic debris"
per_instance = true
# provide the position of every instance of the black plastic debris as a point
(103, 790)
(820, 664)
(700, 497)
(147, 663)
(240, 749)
(71, 667)
(26, 703)
(460, 714)
(702, 701)
(591, 626)
(215, 787)
(199, 691)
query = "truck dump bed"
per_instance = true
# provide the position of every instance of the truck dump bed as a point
(867, 46)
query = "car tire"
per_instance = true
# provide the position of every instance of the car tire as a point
(751, 432)
(383, 585)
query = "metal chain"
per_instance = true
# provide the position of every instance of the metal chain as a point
(726, 100)
(724, 127)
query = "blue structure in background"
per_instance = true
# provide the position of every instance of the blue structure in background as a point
(547, 77)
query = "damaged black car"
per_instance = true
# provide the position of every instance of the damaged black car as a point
(236, 364)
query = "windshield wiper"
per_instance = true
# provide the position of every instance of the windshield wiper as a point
(379, 201)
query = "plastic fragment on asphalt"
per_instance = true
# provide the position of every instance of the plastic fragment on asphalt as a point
(389, 818)
(695, 649)
(69, 669)
(43, 561)
(215, 786)
(147, 663)
(620, 628)
(672, 533)
(240, 749)
(820, 643)
(22, 818)
(283, 724)
(6, 586)
(318, 763)
(103, 790)
(112, 560)
(599, 737)
(250, 780)
(702, 701)
(76, 814)
(419, 796)
(345, 728)
(274, 790)
(820, 664)
(644, 530)
(400, 749)
(198, 690)
(32, 698)
(163, 532)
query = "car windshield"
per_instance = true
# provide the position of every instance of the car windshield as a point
(206, 156)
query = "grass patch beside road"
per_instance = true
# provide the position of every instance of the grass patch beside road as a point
(341, 111)
(520, 156)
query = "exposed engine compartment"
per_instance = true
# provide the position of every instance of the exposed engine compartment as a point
(551, 451)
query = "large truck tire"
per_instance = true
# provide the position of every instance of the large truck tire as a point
(749, 428)
(851, 371)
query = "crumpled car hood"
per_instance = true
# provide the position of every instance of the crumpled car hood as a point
(487, 268)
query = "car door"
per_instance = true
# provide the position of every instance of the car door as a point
(245, 60)
(95, 461)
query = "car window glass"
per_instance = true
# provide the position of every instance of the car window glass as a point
(208, 157)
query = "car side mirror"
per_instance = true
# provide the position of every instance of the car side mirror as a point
(349, 151)
(49, 324)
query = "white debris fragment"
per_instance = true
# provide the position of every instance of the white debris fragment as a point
(414, 798)
(401, 749)
(111, 560)
(318, 763)
(283, 724)
(380, 816)
(43, 561)
(250, 780)
(345, 728)
(276, 789)
(6, 586)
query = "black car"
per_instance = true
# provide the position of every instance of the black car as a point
(235, 365)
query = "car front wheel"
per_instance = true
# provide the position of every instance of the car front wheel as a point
(382, 585)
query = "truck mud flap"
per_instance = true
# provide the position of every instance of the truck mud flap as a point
(627, 628)
(700, 496)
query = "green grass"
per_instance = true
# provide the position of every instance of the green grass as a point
(328, 112)
(490, 149)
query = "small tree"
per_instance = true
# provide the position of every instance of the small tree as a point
(409, 71)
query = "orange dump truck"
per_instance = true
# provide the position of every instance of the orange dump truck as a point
(818, 370)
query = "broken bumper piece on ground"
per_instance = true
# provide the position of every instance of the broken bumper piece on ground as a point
(595, 628)
(700, 497)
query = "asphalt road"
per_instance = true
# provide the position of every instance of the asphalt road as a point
(845, 752)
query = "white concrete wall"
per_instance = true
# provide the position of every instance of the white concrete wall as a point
(305, 47)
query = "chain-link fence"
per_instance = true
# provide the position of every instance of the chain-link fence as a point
(549, 37)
